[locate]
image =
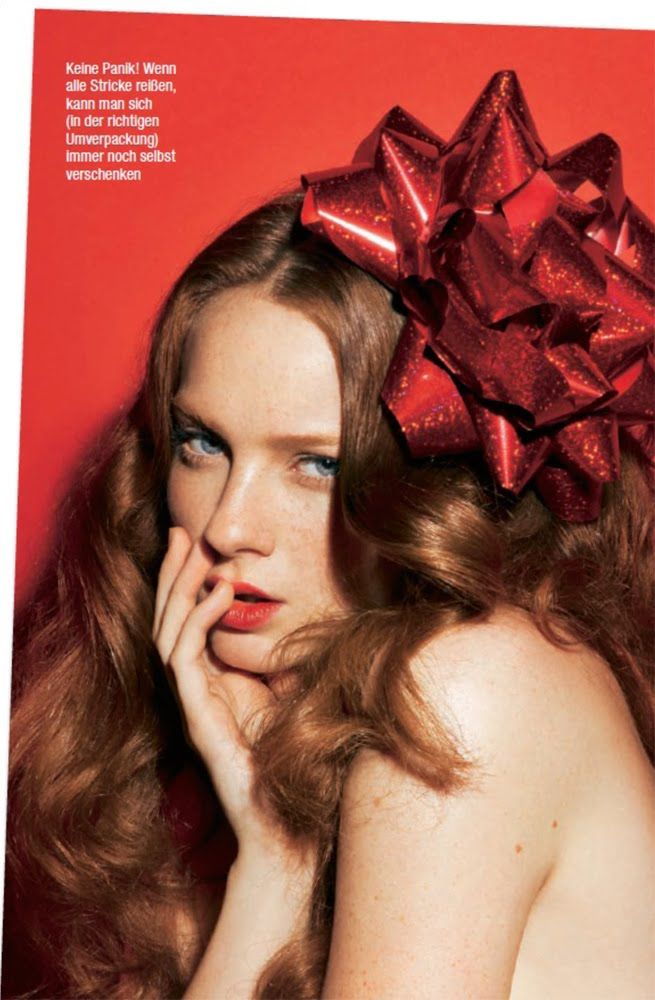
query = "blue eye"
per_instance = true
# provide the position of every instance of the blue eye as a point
(207, 447)
(193, 446)
(320, 466)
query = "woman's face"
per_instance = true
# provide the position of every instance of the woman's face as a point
(257, 426)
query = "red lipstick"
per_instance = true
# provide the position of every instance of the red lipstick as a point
(250, 609)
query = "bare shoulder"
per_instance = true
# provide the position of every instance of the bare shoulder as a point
(507, 647)
(502, 688)
(523, 712)
(459, 872)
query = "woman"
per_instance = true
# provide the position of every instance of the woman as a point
(405, 648)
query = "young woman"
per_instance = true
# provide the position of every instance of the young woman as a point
(324, 696)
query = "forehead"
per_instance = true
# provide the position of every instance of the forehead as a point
(256, 358)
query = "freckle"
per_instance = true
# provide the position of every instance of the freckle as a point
(518, 848)
(554, 824)
(377, 800)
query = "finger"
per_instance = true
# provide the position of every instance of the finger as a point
(198, 673)
(186, 659)
(182, 598)
(179, 544)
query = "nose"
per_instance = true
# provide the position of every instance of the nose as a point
(240, 521)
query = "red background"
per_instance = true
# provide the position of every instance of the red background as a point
(259, 101)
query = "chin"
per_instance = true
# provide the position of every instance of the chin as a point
(242, 650)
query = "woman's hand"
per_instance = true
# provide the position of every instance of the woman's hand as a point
(215, 700)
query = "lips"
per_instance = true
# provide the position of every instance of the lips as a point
(251, 608)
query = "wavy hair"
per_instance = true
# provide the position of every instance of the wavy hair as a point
(91, 865)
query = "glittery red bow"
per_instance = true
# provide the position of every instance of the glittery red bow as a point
(529, 307)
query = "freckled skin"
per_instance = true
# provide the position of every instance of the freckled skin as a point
(254, 370)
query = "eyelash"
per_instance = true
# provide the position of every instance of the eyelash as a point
(181, 436)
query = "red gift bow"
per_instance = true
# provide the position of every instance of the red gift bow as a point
(530, 308)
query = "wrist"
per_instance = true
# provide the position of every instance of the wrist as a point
(267, 903)
(277, 861)
(284, 879)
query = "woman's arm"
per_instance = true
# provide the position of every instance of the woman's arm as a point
(266, 904)
(433, 890)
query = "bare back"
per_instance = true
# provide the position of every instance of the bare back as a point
(591, 930)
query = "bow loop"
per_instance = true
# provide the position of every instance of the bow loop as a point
(348, 210)
(502, 91)
(596, 161)
(410, 176)
(502, 158)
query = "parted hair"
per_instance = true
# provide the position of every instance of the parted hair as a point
(92, 872)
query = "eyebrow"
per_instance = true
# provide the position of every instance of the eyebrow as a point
(278, 440)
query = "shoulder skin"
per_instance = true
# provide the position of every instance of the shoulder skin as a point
(434, 890)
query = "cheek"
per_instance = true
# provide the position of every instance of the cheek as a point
(310, 538)
(312, 542)
(189, 501)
